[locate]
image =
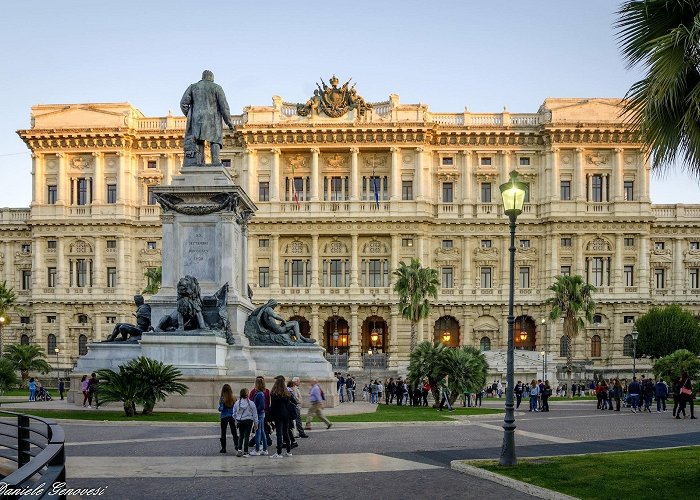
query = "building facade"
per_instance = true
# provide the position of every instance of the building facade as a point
(344, 195)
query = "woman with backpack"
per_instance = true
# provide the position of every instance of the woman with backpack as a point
(226, 403)
(246, 416)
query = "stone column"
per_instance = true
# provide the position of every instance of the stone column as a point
(394, 337)
(355, 347)
(315, 329)
(275, 262)
(61, 264)
(578, 256)
(505, 265)
(543, 176)
(589, 187)
(466, 180)
(604, 182)
(678, 275)
(62, 180)
(617, 274)
(38, 178)
(643, 265)
(275, 175)
(395, 174)
(122, 268)
(642, 179)
(252, 179)
(314, 260)
(353, 260)
(38, 267)
(98, 268)
(505, 165)
(121, 177)
(465, 329)
(354, 174)
(555, 193)
(395, 248)
(167, 168)
(418, 177)
(250, 271)
(466, 266)
(99, 189)
(579, 175)
(555, 270)
(314, 174)
(421, 249)
(618, 174)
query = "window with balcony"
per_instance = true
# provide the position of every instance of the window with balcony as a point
(406, 190)
(694, 278)
(660, 278)
(596, 188)
(485, 192)
(374, 273)
(111, 277)
(111, 193)
(524, 277)
(486, 277)
(298, 275)
(81, 272)
(264, 191)
(26, 280)
(629, 190)
(447, 244)
(151, 197)
(597, 271)
(527, 192)
(264, 277)
(82, 197)
(52, 194)
(566, 241)
(628, 272)
(565, 190)
(51, 278)
(447, 277)
(447, 192)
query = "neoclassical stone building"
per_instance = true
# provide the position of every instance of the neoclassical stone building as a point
(345, 191)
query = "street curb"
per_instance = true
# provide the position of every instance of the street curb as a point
(514, 484)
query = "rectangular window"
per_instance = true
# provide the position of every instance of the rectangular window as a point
(151, 245)
(485, 192)
(111, 277)
(83, 192)
(264, 277)
(406, 190)
(375, 272)
(485, 243)
(597, 271)
(448, 161)
(26, 280)
(629, 190)
(629, 242)
(26, 248)
(527, 192)
(524, 161)
(336, 272)
(486, 277)
(81, 272)
(524, 243)
(447, 192)
(297, 188)
(695, 245)
(111, 244)
(111, 193)
(226, 163)
(151, 164)
(298, 273)
(629, 275)
(24, 320)
(659, 245)
(151, 196)
(51, 244)
(337, 189)
(406, 242)
(565, 190)
(565, 271)
(51, 281)
(694, 277)
(566, 241)
(264, 191)
(596, 188)
(659, 276)
(50, 319)
(447, 244)
(447, 277)
(628, 319)
(111, 319)
(263, 243)
(52, 194)
(524, 277)
(486, 161)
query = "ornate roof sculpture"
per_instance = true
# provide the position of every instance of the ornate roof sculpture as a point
(333, 101)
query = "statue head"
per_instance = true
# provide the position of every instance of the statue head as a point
(207, 75)
(272, 303)
(138, 300)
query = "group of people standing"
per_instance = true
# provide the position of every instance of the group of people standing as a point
(257, 412)
(646, 390)
(88, 386)
(537, 391)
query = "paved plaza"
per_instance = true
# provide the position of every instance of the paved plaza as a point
(371, 460)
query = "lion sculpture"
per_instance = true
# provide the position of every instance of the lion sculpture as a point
(188, 315)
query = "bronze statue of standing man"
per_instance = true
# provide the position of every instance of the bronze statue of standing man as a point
(204, 104)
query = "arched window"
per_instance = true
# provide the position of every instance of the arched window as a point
(24, 340)
(627, 346)
(51, 344)
(595, 346)
(485, 344)
(563, 346)
(82, 345)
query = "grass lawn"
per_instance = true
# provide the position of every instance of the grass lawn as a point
(118, 416)
(394, 413)
(575, 398)
(673, 473)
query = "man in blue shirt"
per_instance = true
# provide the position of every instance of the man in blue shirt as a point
(634, 390)
(661, 393)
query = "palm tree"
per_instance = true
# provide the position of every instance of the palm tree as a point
(572, 300)
(415, 285)
(157, 381)
(121, 387)
(26, 358)
(664, 37)
(8, 303)
(154, 276)
(8, 375)
(426, 363)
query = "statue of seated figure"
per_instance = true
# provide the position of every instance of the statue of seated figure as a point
(127, 330)
(265, 327)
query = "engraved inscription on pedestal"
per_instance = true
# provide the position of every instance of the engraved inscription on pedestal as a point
(198, 252)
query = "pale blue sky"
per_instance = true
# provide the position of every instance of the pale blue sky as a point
(447, 54)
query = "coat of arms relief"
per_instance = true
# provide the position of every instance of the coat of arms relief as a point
(333, 101)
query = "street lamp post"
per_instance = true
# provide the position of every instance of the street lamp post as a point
(544, 346)
(544, 366)
(369, 353)
(2, 323)
(513, 196)
(58, 374)
(635, 334)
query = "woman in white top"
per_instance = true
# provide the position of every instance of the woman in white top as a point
(246, 415)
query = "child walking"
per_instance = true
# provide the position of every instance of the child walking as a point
(246, 416)
(226, 403)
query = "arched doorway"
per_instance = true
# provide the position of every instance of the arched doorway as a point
(524, 333)
(446, 331)
(336, 333)
(304, 326)
(374, 335)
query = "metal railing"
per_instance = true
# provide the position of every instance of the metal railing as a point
(377, 361)
(37, 447)
(339, 361)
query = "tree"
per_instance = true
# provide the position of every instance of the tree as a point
(8, 375)
(415, 285)
(573, 300)
(670, 367)
(119, 387)
(154, 275)
(26, 358)
(157, 381)
(664, 37)
(8, 303)
(465, 368)
(664, 330)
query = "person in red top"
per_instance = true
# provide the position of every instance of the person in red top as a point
(426, 391)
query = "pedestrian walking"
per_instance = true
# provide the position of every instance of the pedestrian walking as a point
(534, 393)
(61, 387)
(226, 402)
(686, 395)
(546, 393)
(316, 399)
(83, 388)
(518, 394)
(661, 393)
(445, 395)
(246, 415)
(297, 396)
(634, 391)
(32, 388)
(280, 415)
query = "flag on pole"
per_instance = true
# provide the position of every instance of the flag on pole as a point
(376, 191)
